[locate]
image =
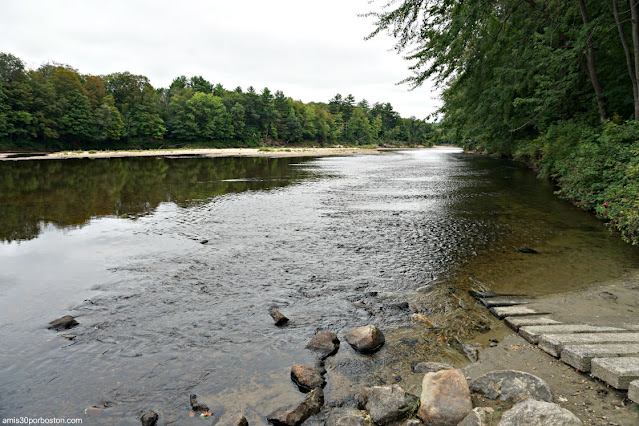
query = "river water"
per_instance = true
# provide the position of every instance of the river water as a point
(172, 264)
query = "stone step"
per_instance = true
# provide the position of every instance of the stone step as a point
(633, 391)
(533, 332)
(480, 294)
(516, 322)
(553, 343)
(580, 356)
(503, 301)
(617, 372)
(513, 311)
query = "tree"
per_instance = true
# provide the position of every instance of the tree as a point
(293, 127)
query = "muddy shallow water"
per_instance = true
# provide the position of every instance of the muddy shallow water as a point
(333, 243)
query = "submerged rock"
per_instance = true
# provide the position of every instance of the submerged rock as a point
(480, 416)
(308, 378)
(527, 250)
(538, 413)
(511, 384)
(324, 343)
(445, 398)
(150, 419)
(196, 406)
(64, 323)
(431, 367)
(295, 415)
(365, 339)
(348, 418)
(233, 420)
(278, 317)
(387, 403)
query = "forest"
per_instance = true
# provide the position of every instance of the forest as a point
(55, 107)
(551, 82)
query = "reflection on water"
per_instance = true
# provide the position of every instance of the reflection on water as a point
(68, 193)
(358, 240)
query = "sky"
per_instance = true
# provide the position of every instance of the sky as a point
(309, 50)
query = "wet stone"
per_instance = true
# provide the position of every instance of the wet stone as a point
(503, 301)
(480, 416)
(324, 343)
(64, 323)
(516, 322)
(233, 420)
(513, 311)
(296, 414)
(617, 372)
(445, 398)
(307, 378)
(580, 356)
(149, 419)
(431, 367)
(365, 339)
(278, 317)
(539, 413)
(532, 332)
(386, 403)
(554, 343)
(346, 417)
(511, 385)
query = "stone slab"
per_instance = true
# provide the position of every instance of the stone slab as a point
(503, 301)
(533, 332)
(633, 391)
(480, 294)
(580, 356)
(513, 311)
(617, 372)
(554, 343)
(633, 327)
(516, 322)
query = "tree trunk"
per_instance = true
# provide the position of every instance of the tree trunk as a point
(591, 68)
(635, 41)
(629, 62)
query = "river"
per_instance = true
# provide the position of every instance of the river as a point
(172, 264)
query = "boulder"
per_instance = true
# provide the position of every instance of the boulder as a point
(511, 384)
(296, 414)
(387, 403)
(365, 339)
(308, 378)
(538, 413)
(149, 419)
(324, 343)
(445, 398)
(346, 417)
(64, 323)
(431, 367)
(233, 420)
(480, 416)
(278, 317)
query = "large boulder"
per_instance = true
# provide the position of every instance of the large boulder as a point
(346, 417)
(513, 385)
(480, 416)
(324, 343)
(64, 323)
(296, 414)
(387, 403)
(307, 378)
(233, 420)
(445, 398)
(365, 339)
(538, 413)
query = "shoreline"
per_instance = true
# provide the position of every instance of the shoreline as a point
(205, 152)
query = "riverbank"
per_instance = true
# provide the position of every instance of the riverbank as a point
(204, 152)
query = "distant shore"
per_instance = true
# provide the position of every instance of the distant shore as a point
(204, 152)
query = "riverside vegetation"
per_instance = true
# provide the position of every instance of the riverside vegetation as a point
(56, 107)
(554, 83)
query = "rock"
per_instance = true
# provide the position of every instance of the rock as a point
(365, 339)
(345, 417)
(445, 398)
(233, 420)
(471, 351)
(538, 413)
(528, 250)
(149, 419)
(204, 241)
(278, 317)
(431, 367)
(421, 318)
(64, 323)
(387, 403)
(325, 343)
(296, 414)
(412, 422)
(511, 384)
(480, 416)
(308, 378)
(196, 406)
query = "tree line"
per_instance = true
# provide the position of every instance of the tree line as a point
(553, 82)
(54, 105)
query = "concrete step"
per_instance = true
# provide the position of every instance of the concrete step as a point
(516, 322)
(580, 356)
(533, 332)
(513, 311)
(617, 372)
(633, 391)
(480, 294)
(553, 343)
(503, 301)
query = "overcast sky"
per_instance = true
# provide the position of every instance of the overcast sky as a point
(309, 50)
